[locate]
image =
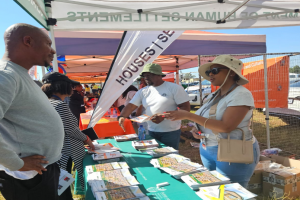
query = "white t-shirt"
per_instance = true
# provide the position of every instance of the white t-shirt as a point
(240, 96)
(157, 100)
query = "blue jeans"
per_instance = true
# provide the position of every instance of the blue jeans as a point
(237, 172)
(170, 139)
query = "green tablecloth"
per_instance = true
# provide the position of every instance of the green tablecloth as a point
(145, 173)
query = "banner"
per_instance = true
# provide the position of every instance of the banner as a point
(278, 81)
(137, 49)
(173, 15)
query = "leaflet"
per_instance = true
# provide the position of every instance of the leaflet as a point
(113, 182)
(144, 144)
(102, 148)
(230, 191)
(202, 179)
(168, 160)
(106, 167)
(105, 156)
(132, 192)
(121, 138)
(159, 152)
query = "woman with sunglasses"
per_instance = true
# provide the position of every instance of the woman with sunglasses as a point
(234, 109)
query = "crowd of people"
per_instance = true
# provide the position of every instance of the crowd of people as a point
(39, 132)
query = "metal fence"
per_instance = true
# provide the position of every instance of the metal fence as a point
(283, 99)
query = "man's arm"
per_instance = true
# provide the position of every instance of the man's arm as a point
(185, 106)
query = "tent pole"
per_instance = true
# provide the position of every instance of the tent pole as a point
(43, 71)
(55, 64)
(51, 35)
(266, 100)
(200, 81)
(177, 76)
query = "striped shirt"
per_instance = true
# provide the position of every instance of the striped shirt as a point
(73, 142)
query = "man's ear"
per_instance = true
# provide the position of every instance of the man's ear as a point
(27, 41)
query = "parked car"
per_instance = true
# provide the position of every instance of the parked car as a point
(290, 115)
(294, 96)
(194, 94)
(294, 78)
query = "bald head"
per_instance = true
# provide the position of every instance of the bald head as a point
(28, 44)
(14, 34)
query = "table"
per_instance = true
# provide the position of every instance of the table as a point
(105, 127)
(145, 173)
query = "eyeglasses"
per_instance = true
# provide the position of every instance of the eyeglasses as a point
(214, 71)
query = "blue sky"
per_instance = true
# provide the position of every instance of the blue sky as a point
(280, 39)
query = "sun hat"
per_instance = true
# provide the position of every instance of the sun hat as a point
(56, 76)
(228, 61)
(153, 68)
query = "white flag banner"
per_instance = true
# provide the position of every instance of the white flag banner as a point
(137, 49)
(174, 14)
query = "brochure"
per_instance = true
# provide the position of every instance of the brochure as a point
(202, 179)
(159, 152)
(121, 138)
(144, 144)
(105, 156)
(183, 168)
(106, 167)
(65, 180)
(227, 192)
(168, 160)
(132, 192)
(112, 182)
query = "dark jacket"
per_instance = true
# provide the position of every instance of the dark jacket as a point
(76, 104)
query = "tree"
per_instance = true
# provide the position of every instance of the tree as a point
(188, 76)
(295, 69)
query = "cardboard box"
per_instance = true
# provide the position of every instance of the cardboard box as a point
(280, 182)
(255, 183)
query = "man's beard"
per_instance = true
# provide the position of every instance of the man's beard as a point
(46, 64)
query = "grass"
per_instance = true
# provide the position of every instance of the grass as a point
(282, 135)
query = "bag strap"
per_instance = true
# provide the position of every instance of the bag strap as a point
(212, 115)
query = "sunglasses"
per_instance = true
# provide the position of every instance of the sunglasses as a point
(214, 71)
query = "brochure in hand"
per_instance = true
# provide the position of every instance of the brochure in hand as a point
(106, 167)
(129, 137)
(132, 193)
(183, 168)
(226, 192)
(141, 118)
(168, 160)
(102, 148)
(159, 152)
(144, 144)
(106, 156)
(65, 180)
(202, 179)
(144, 118)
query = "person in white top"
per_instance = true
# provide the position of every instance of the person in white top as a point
(234, 109)
(158, 97)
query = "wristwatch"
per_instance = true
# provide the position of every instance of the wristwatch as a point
(119, 117)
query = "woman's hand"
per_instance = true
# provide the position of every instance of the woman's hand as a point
(194, 131)
(90, 143)
(177, 115)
